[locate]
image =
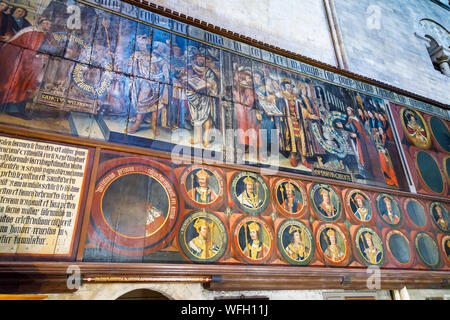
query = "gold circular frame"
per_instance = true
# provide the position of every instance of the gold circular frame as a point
(408, 135)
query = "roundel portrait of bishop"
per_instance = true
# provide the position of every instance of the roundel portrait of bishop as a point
(253, 240)
(440, 216)
(389, 210)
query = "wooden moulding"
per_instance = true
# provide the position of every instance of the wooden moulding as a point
(51, 277)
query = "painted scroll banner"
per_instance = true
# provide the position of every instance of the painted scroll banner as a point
(41, 186)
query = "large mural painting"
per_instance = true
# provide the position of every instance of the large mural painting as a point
(72, 68)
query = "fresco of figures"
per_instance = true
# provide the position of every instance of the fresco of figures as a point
(74, 69)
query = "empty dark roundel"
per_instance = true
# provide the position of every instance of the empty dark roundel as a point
(429, 171)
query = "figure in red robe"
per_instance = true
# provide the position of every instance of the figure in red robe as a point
(385, 158)
(244, 98)
(22, 65)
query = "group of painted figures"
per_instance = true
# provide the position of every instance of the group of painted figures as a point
(166, 81)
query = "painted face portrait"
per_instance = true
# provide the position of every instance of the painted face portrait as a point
(202, 190)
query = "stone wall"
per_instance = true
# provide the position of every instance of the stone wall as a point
(185, 291)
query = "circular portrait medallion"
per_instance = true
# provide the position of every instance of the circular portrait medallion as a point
(389, 210)
(202, 186)
(290, 197)
(440, 132)
(429, 172)
(250, 192)
(332, 243)
(415, 212)
(203, 237)
(446, 247)
(253, 240)
(369, 246)
(439, 215)
(427, 250)
(325, 202)
(358, 204)
(415, 128)
(295, 242)
(135, 206)
(399, 247)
